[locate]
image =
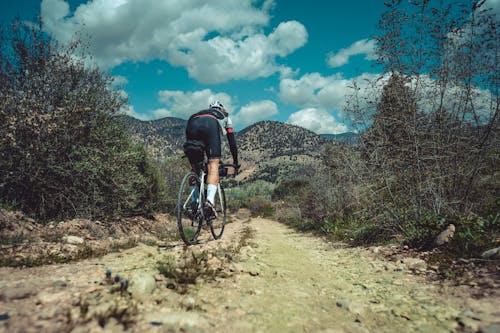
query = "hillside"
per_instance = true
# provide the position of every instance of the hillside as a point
(268, 150)
(347, 137)
(163, 137)
(273, 150)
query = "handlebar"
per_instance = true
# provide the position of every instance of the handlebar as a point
(226, 165)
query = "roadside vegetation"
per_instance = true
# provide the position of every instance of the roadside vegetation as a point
(428, 153)
(62, 154)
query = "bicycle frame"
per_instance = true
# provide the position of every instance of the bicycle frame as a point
(201, 193)
(194, 186)
(201, 196)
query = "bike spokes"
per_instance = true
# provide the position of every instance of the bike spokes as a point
(217, 224)
(188, 217)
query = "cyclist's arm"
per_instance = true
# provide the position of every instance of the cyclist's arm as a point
(232, 144)
(231, 140)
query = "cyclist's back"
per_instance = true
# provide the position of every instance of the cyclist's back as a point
(203, 138)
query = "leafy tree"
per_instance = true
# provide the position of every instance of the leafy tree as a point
(430, 153)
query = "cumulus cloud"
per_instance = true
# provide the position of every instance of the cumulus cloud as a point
(129, 110)
(119, 80)
(318, 121)
(341, 58)
(162, 113)
(183, 104)
(317, 91)
(254, 112)
(215, 41)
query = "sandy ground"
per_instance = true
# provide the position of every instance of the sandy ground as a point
(260, 277)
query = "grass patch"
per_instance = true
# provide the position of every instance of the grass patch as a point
(15, 239)
(85, 252)
(188, 270)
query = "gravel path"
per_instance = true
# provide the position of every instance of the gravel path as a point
(261, 277)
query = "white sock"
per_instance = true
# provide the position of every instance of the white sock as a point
(211, 191)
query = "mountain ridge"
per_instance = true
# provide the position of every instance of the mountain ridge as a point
(268, 150)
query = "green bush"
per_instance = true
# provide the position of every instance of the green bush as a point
(255, 196)
(475, 234)
(62, 153)
(172, 171)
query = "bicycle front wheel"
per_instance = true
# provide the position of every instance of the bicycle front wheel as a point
(189, 216)
(217, 225)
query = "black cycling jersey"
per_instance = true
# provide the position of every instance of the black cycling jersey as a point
(204, 127)
(206, 130)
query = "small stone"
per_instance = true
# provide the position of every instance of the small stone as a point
(159, 277)
(469, 323)
(214, 262)
(46, 297)
(59, 284)
(18, 293)
(445, 236)
(415, 264)
(47, 313)
(189, 303)
(74, 240)
(493, 328)
(491, 254)
(189, 319)
(142, 285)
(235, 267)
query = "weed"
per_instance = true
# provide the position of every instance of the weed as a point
(15, 239)
(189, 269)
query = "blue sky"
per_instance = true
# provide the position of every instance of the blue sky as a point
(283, 60)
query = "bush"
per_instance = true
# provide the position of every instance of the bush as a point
(62, 153)
(255, 196)
(172, 171)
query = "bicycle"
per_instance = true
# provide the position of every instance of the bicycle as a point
(190, 208)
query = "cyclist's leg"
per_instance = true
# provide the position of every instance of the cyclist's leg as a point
(212, 179)
(194, 148)
(213, 152)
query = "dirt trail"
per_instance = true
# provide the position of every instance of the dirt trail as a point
(280, 281)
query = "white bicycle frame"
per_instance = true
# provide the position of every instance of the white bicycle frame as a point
(201, 194)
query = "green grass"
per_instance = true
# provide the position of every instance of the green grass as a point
(15, 239)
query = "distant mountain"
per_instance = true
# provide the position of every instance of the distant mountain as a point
(163, 137)
(268, 150)
(276, 140)
(347, 137)
(273, 150)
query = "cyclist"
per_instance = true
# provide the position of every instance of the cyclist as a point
(203, 138)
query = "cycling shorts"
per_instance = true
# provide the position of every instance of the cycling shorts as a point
(206, 130)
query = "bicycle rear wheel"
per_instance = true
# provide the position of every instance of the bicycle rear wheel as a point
(189, 217)
(217, 225)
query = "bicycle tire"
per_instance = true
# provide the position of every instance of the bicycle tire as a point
(189, 219)
(217, 225)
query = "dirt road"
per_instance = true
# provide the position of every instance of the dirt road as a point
(261, 277)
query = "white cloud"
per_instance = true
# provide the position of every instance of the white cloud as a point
(318, 121)
(254, 112)
(341, 58)
(119, 80)
(129, 110)
(162, 113)
(215, 41)
(183, 104)
(317, 91)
